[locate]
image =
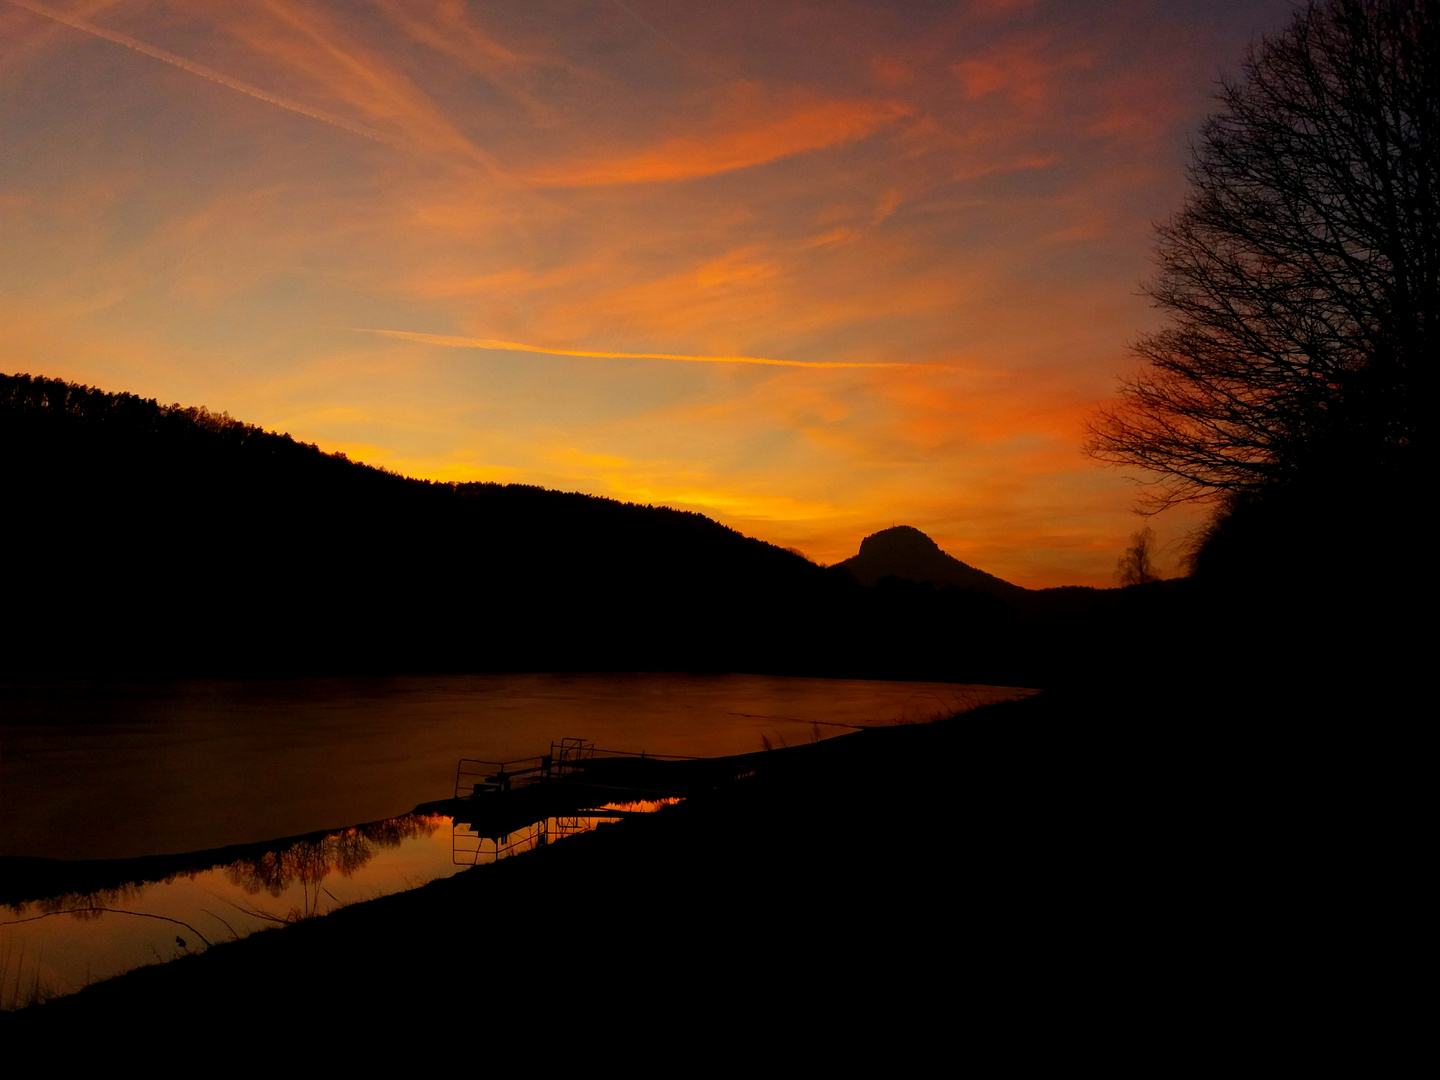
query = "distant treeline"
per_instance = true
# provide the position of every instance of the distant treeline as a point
(144, 539)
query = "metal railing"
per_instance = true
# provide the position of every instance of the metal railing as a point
(476, 777)
(471, 848)
(570, 757)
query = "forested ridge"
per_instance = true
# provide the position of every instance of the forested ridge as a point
(150, 540)
(147, 538)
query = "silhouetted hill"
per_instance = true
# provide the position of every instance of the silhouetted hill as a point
(147, 537)
(144, 539)
(906, 552)
(141, 539)
(153, 539)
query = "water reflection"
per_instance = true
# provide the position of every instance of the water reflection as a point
(185, 766)
(57, 944)
(470, 847)
(305, 865)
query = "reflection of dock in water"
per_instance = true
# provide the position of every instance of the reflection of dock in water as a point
(503, 808)
(471, 847)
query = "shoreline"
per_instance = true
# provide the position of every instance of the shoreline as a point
(736, 859)
(1018, 837)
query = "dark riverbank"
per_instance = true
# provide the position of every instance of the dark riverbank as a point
(1039, 836)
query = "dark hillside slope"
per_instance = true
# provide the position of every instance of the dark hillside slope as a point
(145, 537)
(150, 539)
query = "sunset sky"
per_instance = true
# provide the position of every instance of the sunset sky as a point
(807, 268)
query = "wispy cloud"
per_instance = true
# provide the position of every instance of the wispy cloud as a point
(687, 157)
(307, 40)
(814, 194)
(166, 57)
(452, 342)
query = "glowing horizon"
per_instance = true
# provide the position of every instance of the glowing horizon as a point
(847, 266)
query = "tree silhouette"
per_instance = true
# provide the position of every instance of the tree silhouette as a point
(1137, 565)
(1301, 275)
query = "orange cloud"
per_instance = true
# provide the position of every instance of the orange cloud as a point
(337, 64)
(906, 325)
(834, 236)
(1022, 69)
(688, 157)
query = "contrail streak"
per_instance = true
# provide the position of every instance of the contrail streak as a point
(700, 69)
(200, 69)
(665, 40)
(514, 346)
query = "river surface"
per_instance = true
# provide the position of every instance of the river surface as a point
(118, 771)
(104, 771)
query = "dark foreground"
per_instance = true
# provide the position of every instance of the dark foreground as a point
(1024, 861)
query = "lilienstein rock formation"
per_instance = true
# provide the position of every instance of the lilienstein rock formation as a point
(907, 553)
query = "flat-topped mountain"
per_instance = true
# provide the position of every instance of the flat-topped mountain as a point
(906, 552)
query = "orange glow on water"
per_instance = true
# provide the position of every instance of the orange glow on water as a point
(59, 944)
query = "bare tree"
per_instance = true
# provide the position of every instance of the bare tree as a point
(1137, 565)
(1301, 275)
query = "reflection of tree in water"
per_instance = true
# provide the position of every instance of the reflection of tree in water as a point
(306, 863)
(85, 906)
(309, 862)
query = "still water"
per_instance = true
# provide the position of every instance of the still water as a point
(61, 943)
(110, 772)
(107, 771)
